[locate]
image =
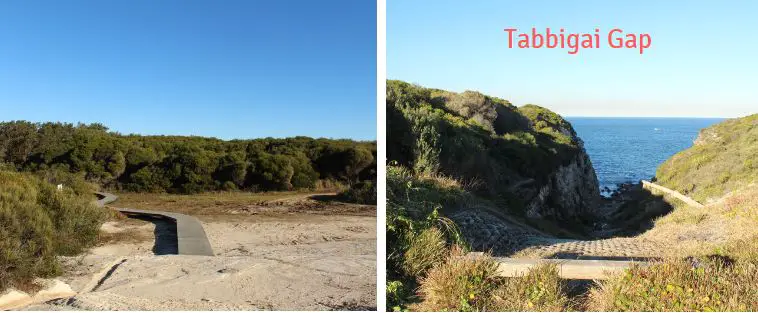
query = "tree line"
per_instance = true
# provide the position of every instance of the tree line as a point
(184, 164)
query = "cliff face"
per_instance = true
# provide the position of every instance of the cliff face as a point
(570, 192)
(527, 159)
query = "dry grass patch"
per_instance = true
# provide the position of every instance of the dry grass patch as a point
(725, 227)
(208, 203)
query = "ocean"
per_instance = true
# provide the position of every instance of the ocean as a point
(625, 150)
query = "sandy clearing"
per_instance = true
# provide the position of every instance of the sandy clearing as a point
(283, 262)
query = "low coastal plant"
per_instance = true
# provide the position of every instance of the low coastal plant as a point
(460, 284)
(541, 289)
(471, 284)
(693, 284)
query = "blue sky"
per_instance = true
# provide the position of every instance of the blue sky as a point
(228, 69)
(702, 62)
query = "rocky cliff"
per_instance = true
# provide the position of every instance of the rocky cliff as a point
(528, 160)
(571, 191)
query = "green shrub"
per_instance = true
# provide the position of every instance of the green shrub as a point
(38, 222)
(363, 192)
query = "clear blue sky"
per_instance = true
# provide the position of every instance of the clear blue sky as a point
(702, 61)
(228, 69)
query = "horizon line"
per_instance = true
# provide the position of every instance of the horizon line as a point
(681, 117)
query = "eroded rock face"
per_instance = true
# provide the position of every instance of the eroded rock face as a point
(570, 192)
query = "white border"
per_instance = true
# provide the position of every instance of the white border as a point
(381, 154)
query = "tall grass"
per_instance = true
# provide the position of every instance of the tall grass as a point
(38, 222)
(472, 284)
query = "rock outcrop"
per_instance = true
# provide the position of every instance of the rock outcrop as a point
(526, 159)
(570, 192)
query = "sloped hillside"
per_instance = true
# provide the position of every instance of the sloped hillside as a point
(526, 159)
(723, 159)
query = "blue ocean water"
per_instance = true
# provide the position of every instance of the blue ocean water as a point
(630, 149)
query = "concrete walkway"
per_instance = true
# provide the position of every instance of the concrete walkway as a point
(650, 185)
(191, 238)
(567, 268)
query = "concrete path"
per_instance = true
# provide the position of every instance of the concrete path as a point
(567, 269)
(650, 185)
(191, 238)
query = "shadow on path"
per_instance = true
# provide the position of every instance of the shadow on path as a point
(166, 240)
(579, 256)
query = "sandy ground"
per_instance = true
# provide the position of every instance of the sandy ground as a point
(291, 261)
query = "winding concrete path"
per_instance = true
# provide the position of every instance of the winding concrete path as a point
(191, 238)
(650, 185)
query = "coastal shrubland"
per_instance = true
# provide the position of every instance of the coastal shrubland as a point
(450, 152)
(184, 164)
(39, 222)
(486, 142)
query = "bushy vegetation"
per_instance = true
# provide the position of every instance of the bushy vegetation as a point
(183, 164)
(426, 267)
(38, 222)
(723, 159)
(418, 236)
(484, 141)
(702, 284)
(437, 140)
(362, 192)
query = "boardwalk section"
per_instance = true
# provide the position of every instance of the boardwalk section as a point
(191, 237)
